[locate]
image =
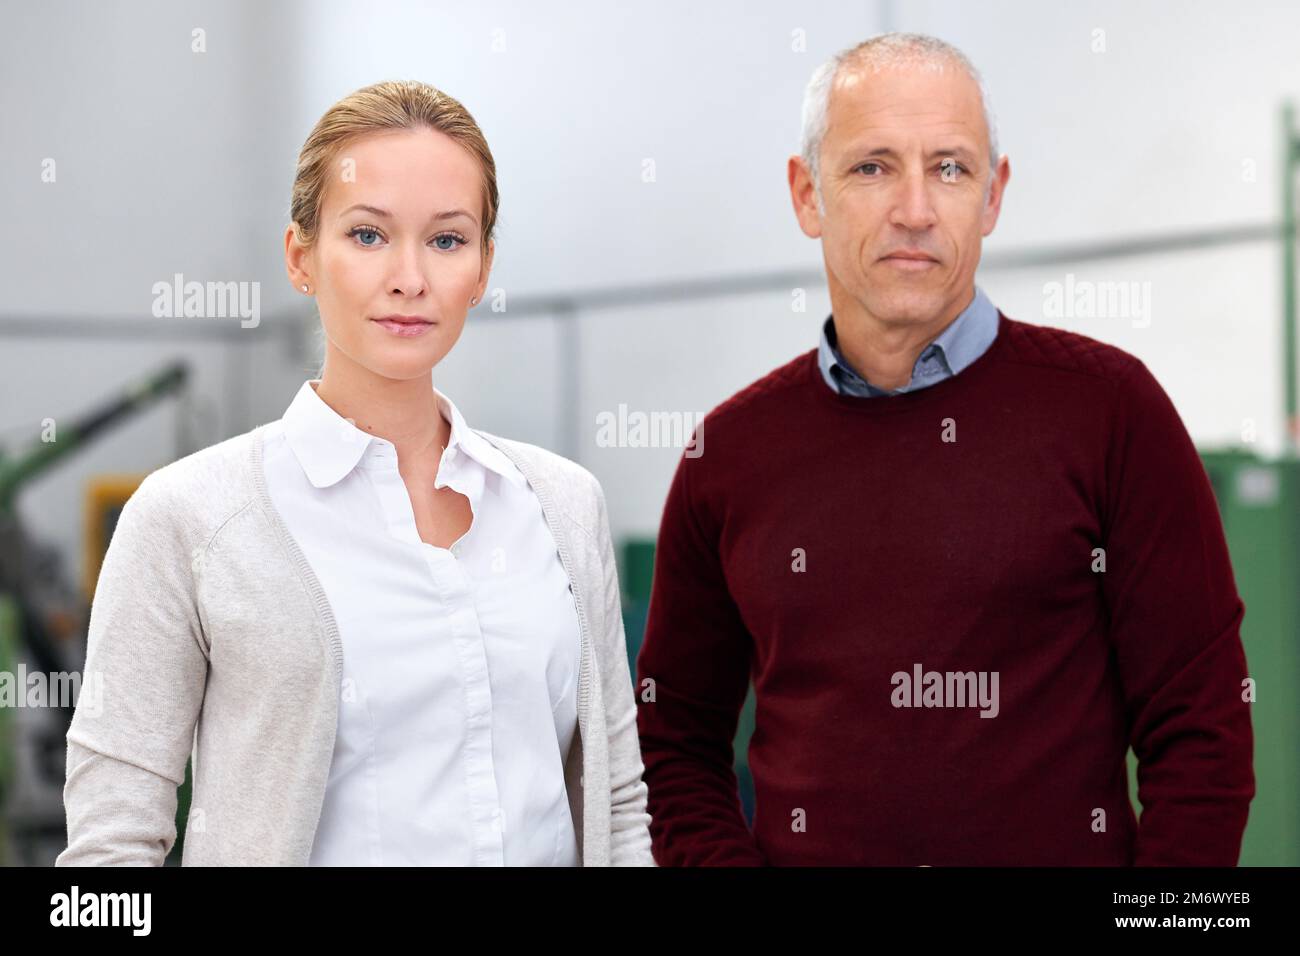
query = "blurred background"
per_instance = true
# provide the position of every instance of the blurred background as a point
(647, 259)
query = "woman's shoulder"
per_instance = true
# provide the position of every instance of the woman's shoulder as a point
(562, 480)
(203, 487)
(544, 464)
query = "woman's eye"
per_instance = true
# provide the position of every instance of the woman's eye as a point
(363, 231)
(445, 241)
(452, 241)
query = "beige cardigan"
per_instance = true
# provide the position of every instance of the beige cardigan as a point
(213, 638)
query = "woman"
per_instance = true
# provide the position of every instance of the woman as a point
(386, 637)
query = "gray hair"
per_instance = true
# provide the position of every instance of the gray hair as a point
(887, 49)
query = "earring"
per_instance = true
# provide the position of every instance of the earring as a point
(474, 301)
(304, 288)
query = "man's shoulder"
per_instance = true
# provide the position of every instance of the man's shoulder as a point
(1047, 347)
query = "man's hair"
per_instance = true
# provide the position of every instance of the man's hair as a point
(876, 53)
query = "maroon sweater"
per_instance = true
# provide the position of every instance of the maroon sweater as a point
(825, 545)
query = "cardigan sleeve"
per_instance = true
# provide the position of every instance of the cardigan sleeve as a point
(142, 688)
(629, 821)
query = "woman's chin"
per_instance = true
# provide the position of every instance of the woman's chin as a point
(406, 362)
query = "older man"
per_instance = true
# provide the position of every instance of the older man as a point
(966, 561)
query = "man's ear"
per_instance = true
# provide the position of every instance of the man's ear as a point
(804, 197)
(989, 218)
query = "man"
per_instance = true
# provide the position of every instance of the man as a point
(966, 561)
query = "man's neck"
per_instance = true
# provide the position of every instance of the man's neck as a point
(884, 351)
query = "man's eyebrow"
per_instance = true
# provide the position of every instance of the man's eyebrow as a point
(959, 152)
(879, 151)
(385, 214)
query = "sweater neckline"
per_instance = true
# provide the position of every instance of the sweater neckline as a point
(967, 378)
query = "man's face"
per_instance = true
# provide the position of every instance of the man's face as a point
(904, 172)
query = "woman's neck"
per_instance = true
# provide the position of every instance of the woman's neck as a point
(404, 412)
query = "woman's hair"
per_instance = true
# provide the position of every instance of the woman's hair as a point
(378, 108)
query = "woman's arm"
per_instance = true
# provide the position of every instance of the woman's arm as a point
(629, 823)
(141, 692)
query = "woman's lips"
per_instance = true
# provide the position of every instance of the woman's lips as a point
(404, 329)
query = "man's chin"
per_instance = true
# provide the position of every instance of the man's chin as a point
(904, 305)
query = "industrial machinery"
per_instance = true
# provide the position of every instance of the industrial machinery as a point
(43, 619)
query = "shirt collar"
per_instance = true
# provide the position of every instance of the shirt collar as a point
(328, 446)
(964, 340)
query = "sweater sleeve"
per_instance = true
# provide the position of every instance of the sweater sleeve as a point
(142, 687)
(1175, 618)
(697, 652)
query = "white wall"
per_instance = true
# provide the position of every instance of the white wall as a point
(173, 161)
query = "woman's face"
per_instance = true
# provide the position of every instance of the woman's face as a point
(399, 234)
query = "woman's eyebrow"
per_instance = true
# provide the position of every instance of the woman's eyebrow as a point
(385, 214)
(453, 213)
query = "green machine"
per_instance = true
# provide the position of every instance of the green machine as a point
(42, 615)
(1259, 500)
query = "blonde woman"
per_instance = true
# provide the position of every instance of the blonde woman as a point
(385, 637)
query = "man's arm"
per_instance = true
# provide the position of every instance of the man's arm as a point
(697, 652)
(1175, 619)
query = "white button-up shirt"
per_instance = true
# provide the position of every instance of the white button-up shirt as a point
(460, 666)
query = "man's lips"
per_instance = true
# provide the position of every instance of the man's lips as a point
(910, 260)
(919, 256)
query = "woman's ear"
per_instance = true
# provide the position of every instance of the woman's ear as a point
(484, 271)
(297, 260)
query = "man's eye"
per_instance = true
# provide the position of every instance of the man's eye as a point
(950, 169)
(869, 166)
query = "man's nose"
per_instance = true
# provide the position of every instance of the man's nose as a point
(913, 208)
